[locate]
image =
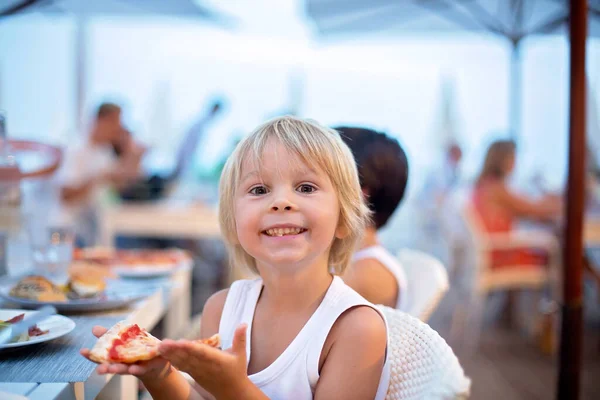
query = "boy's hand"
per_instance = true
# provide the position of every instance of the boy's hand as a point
(157, 368)
(222, 373)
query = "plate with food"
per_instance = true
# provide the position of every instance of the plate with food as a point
(142, 263)
(127, 343)
(50, 328)
(80, 293)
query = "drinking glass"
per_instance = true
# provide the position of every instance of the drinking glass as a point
(52, 250)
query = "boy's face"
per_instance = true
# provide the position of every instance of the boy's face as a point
(286, 212)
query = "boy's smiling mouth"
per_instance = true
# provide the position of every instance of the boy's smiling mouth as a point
(283, 230)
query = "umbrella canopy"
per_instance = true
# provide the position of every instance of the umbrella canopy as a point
(513, 19)
(175, 8)
(85, 9)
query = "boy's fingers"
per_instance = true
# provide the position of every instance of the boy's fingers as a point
(102, 369)
(138, 370)
(239, 340)
(99, 330)
(118, 369)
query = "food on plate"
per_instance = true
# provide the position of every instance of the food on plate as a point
(41, 289)
(97, 255)
(90, 269)
(38, 288)
(32, 332)
(85, 286)
(152, 257)
(104, 257)
(128, 343)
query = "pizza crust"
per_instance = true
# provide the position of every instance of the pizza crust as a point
(213, 341)
(142, 347)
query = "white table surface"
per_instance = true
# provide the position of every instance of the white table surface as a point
(163, 219)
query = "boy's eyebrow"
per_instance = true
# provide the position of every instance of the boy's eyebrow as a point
(249, 174)
(307, 170)
(304, 170)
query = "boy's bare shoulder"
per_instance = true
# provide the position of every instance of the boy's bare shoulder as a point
(211, 314)
(358, 337)
(216, 302)
(358, 330)
(360, 323)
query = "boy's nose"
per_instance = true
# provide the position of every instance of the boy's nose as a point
(286, 208)
(282, 203)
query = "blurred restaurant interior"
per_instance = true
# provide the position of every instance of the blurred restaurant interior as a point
(452, 81)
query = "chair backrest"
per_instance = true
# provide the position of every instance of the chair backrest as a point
(478, 236)
(421, 364)
(427, 282)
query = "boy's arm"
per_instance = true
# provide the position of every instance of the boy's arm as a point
(209, 325)
(354, 362)
(211, 318)
(174, 385)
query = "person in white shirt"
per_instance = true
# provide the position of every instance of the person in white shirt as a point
(91, 167)
(383, 170)
(439, 185)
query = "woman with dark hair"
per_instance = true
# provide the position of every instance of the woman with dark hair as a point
(499, 208)
(382, 166)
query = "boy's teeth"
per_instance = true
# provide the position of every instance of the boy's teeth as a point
(283, 231)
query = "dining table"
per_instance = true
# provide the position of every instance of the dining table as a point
(54, 370)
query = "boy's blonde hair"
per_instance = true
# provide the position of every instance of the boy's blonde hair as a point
(315, 145)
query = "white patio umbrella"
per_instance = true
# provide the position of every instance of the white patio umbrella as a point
(513, 20)
(83, 10)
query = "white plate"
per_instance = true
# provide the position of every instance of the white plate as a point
(150, 271)
(57, 325)
(116, 295)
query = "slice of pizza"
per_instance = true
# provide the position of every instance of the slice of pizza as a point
(213, 341)
(125, 343)
(128, 343)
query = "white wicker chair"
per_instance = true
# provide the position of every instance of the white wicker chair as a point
(427, 282)
(422, 365)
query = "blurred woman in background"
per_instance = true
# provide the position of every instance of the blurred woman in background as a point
(499, 208)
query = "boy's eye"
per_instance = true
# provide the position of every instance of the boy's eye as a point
(258, 190)
(305, 188)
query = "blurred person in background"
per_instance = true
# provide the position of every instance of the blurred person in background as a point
(499, 208)
(435, 205)
(91, 167)
(439, 185)
(443, 180)
(155, 186)
(383, 172)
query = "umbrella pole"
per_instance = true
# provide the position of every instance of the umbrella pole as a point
(80, 72)
(516, 89)
(572, 309)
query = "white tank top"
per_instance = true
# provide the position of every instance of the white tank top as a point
(380, 254)
(294, 374)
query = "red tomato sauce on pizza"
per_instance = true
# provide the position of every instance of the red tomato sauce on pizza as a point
(131, 333)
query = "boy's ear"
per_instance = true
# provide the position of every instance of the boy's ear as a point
(342, 231)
